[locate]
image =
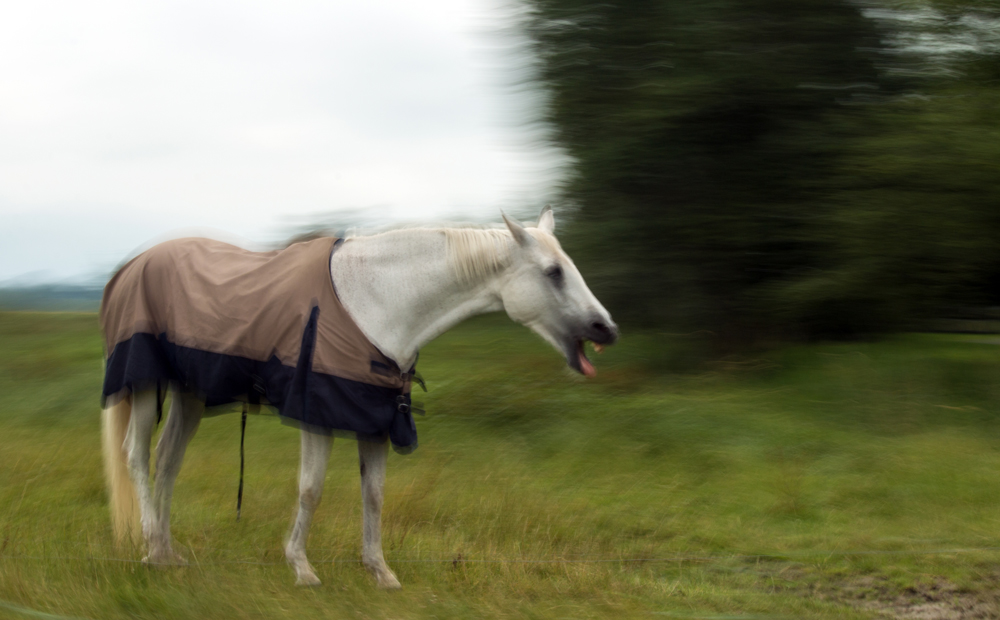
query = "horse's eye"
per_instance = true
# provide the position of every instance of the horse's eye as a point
(555, 273)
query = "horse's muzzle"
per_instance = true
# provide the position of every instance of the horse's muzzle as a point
(601, 332)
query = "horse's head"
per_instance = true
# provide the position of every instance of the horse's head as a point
(543, 290)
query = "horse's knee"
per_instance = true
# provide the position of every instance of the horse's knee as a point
(310, 496)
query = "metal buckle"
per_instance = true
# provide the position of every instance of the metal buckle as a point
(401, 405)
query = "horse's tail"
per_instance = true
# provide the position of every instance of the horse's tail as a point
(124, 504)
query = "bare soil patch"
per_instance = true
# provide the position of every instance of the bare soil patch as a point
(936, 600)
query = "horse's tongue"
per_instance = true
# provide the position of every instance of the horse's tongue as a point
(585, 365)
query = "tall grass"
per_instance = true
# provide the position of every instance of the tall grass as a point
(820, 481)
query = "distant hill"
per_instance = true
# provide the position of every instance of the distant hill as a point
(51, 297)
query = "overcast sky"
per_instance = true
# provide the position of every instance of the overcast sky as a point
(121, 122)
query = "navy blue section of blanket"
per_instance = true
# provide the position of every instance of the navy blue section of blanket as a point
(318, 400)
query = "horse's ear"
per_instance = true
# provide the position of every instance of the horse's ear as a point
(547, 220)
(520, 234)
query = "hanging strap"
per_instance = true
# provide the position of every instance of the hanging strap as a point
(159, 404)
(243, 434)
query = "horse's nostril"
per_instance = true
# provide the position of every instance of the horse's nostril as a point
(602, 332)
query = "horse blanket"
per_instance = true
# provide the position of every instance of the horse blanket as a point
(233, 325)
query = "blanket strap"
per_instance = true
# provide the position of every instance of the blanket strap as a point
(159, 404)
(415, 377)
(243, 434)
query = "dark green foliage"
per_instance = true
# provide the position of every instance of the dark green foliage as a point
(759, 168)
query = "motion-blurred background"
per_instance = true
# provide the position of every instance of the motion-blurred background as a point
(766, 168)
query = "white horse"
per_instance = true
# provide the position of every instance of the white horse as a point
(403, 288)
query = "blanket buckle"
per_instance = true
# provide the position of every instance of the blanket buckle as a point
(401, 405)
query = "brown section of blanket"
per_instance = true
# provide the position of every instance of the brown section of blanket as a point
(217, 297)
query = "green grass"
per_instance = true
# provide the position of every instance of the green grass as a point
(823, 481)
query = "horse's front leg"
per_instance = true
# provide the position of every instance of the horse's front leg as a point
(315, 453)
(372, 457)
(182, 422)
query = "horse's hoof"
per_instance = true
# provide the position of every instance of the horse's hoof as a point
(177, 559)
(308, 580)
(164, 560)
(387, 580)
(384, 577)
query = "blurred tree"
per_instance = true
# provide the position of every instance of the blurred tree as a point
(914, 228)
(700, 133)
(744, 166)
(914, 231)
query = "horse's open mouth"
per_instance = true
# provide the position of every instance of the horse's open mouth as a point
(583, 365)
(599, 333)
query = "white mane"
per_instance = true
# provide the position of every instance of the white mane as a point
(474, 252)
(477, 253)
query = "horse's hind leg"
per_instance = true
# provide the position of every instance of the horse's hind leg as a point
(372, 457)
(140, 432)
(182, 422)
(315, 454)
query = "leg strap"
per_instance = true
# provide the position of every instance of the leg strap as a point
(243, 434)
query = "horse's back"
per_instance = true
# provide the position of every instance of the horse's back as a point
(214, 296)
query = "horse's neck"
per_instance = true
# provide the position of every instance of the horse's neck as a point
(401, 291)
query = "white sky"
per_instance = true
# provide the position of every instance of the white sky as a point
(124, 121)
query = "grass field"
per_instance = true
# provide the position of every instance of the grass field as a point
(849, 480)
